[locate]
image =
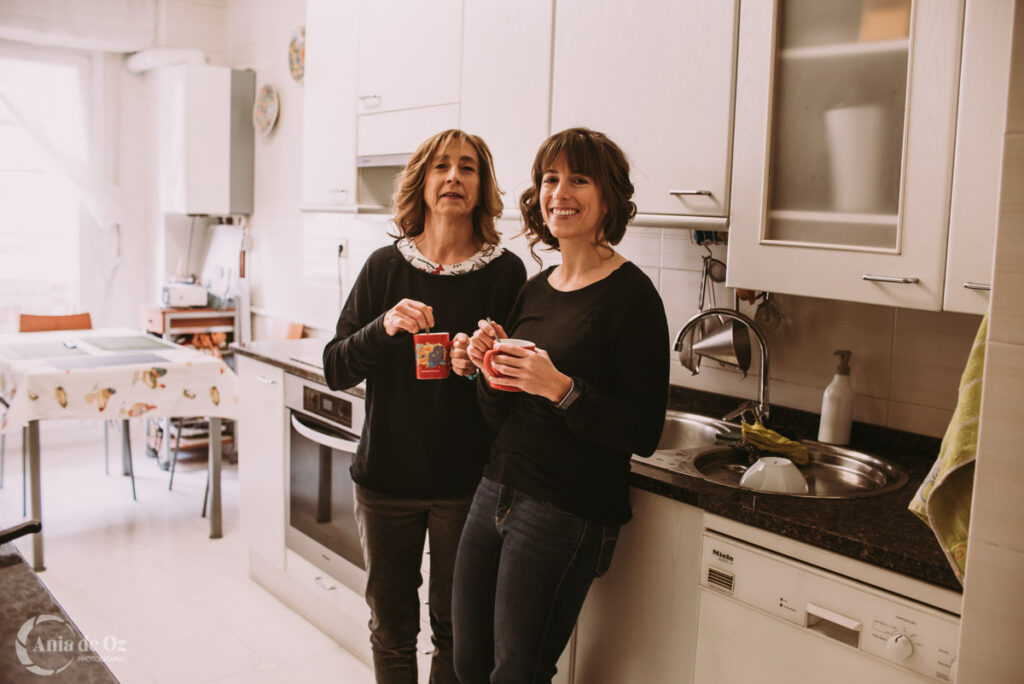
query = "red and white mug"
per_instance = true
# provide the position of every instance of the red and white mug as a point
(489, 367)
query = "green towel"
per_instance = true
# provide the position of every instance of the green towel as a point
(944, 498)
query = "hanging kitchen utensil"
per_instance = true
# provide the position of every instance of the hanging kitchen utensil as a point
(687, 359)
(728, 343)
(767, 314)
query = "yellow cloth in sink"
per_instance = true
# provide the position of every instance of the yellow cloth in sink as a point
(766, 439)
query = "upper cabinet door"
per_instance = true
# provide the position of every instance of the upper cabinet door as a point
(329, 114)
(657, 78)
(843, 157)
(506, 81)
(409, 54)
(980, 131)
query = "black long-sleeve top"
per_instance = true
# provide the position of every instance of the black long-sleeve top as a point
(422, 438)
(611, 337)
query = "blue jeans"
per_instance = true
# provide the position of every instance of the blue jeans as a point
(392, 531)
(522, 572)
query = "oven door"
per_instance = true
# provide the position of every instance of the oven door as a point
(321, 520)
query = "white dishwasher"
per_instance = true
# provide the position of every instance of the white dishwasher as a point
(768, 618)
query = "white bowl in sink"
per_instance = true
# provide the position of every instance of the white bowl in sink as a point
(774, 474)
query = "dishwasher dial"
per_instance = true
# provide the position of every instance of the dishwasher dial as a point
(898, 647)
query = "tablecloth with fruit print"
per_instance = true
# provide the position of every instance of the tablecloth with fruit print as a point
(109, 373)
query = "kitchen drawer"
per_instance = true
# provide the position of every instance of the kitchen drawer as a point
(313, 578)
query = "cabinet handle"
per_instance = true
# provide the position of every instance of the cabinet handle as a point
(889, 279)
(978, 286)
(370, 100)
(340, 190)
(266, 380)
(680, 193)
(323, 584)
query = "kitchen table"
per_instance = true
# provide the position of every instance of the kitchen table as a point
(110, 373)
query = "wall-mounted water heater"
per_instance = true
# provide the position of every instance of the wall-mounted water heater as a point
(206, 139)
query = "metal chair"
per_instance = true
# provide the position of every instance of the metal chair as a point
(81, 321)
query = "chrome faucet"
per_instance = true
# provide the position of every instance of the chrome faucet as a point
(760, 409)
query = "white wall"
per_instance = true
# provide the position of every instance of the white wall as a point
(992, 620)
(906, 364)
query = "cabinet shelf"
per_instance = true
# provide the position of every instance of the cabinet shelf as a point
(878, 47)
(834, 217)
(832, 230)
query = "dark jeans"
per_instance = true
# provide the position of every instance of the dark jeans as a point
(391, 530)
(523, 570)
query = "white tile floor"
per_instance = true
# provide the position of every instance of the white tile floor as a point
(147, 574)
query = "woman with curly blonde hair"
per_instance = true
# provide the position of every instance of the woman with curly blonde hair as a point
(424, 442)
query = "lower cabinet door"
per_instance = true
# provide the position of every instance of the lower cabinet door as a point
(639, 623)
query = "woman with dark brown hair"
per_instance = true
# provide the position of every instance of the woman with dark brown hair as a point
(593, 391)
(424, 442)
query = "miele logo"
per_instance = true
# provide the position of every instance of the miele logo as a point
(721, 555)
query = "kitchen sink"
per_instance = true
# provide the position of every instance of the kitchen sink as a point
(690, 430)
(704, 447)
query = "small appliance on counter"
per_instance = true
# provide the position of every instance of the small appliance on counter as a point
(180, 295)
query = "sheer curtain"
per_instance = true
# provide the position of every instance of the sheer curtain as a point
(44, 124)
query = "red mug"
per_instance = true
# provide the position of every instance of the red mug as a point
(433, 361)
(489, 368)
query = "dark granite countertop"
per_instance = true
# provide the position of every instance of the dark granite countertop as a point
(879, 530)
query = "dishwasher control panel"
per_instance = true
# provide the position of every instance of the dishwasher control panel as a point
(898, 630)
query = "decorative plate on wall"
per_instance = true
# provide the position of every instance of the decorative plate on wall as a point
(264, 110)
(297, 54)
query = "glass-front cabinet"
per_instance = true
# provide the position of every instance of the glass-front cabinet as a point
(844, 137)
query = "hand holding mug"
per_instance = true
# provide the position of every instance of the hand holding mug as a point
(519, 366)
(461, 363)
(408, 315)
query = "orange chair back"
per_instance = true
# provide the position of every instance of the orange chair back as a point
(31, 323)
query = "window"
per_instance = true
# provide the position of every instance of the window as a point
(39, 205)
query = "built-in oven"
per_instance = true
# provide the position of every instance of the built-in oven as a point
(324, 434)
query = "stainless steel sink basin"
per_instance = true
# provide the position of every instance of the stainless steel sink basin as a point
(693, 445)
(691, 430)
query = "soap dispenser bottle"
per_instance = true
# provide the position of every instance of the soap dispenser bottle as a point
(837, 404)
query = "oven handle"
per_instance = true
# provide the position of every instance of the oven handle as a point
(334, 439)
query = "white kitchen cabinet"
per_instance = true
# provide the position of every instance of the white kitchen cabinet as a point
(329, 114)
(262, 430)
(409, 68)
(639, 623)
(657, 78)
(843, 151)
(409, 54)
(981, 126)
(506, 82)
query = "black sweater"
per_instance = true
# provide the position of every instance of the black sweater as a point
(612, 338)
(422, 438)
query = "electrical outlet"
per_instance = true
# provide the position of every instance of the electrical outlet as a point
(343, 249)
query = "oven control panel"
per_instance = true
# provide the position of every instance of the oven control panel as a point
(341, 409)
(334, 409)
